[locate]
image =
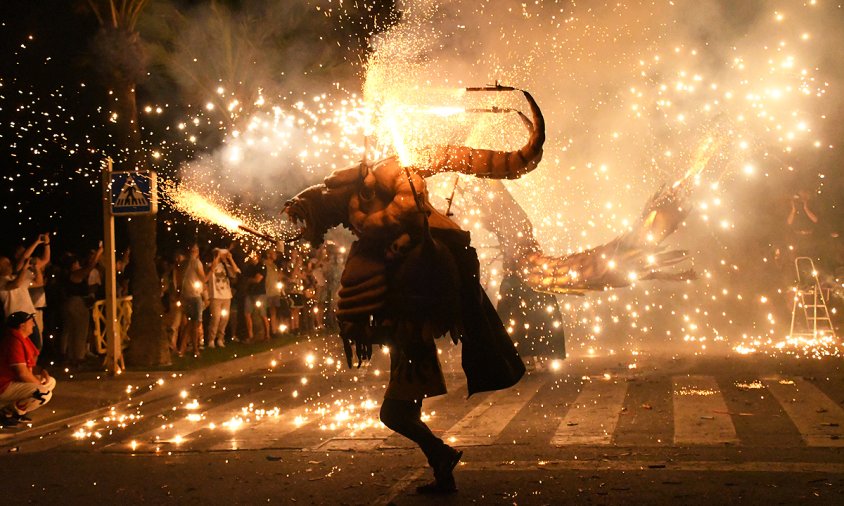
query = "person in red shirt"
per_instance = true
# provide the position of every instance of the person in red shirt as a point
(21, 390)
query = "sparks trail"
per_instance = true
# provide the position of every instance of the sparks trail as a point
(205, 208)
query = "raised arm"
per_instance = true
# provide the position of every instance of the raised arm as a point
(27, 254)
(230, 261)
(44, 259)
(81, 274)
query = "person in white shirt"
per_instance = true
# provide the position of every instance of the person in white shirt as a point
(14, 287)
(36, 282)
(221, 272)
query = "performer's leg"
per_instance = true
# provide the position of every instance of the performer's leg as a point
(405, 417)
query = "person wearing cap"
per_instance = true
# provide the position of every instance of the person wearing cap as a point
(21, 389)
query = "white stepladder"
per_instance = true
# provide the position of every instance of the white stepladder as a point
(810, 300)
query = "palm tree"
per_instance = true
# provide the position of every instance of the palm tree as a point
(119, 51)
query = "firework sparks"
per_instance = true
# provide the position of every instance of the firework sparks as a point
(625, 117)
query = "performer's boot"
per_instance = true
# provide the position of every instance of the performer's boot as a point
(443, 466)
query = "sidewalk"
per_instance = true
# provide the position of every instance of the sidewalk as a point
(83, 396)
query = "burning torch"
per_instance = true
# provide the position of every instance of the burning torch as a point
(495, 109)
(492, 87)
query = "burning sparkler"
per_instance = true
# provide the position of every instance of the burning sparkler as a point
(203, 208)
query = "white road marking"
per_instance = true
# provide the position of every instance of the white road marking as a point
(593, 417)
(399, 486)
(818, 418)
(483, 425)
(700, 413)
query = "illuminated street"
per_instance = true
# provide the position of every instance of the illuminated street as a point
(594, 431)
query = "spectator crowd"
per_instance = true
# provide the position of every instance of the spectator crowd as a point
(209, 297)
(226, 295)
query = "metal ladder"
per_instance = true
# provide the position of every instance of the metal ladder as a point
(809, 297)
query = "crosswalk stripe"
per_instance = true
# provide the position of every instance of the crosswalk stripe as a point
(353, 410)
(486, 421)
(592, 419)
(815, 415)
(701, 416)
(196, 419)
(374, 436)
(366, 437)
(193, 427)
(262, 433)
(344, 420)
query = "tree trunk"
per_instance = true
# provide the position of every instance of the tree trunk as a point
(533, 318)
(122, 57)
(149, 344)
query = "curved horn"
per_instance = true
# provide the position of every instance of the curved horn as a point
(489, 163)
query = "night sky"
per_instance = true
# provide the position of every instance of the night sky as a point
(54, 114)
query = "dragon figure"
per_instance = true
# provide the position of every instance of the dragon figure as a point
(412, 276)
(409, 255)
(387, 208)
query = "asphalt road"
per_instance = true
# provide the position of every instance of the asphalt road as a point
(304, 430)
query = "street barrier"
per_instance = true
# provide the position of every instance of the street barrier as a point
(124, 318)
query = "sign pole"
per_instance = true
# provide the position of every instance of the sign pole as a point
(114, 349)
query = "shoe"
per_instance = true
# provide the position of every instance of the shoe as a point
(443, 473)
(211, 345)
(221, 344)
(9, 420)
(437, 488)
(22, 418)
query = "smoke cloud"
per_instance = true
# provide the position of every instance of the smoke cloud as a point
(629, 91)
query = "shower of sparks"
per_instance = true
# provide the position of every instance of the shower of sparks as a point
(631, 100)
(202, 207)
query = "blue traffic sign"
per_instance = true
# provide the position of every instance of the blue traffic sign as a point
(133, 193)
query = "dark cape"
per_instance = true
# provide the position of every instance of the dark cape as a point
(490, 360)
(433, 291)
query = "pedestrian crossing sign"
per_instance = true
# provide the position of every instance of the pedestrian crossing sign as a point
(133, 193)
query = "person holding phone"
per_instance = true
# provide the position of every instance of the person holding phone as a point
(221, 273)
(15, 279)
(37, 284)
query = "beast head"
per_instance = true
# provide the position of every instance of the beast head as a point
(321, 207)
